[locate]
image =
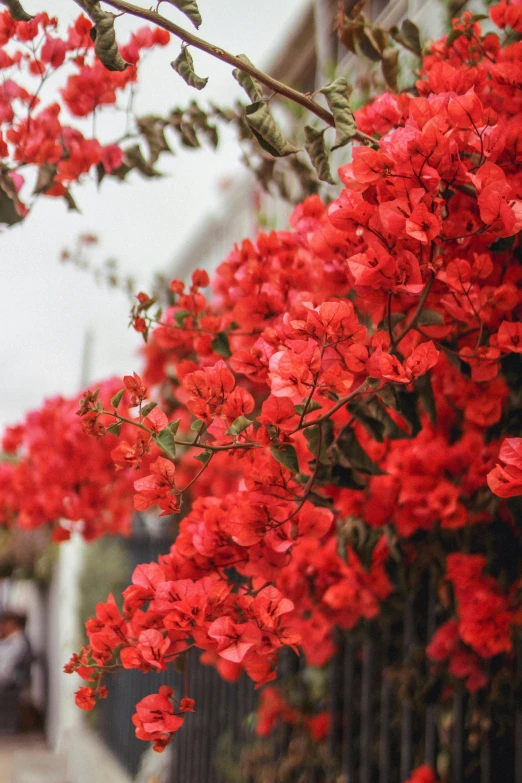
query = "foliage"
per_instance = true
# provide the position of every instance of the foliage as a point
(105, 570)
(334, 408)
(26, 554)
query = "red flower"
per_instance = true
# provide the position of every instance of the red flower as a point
(85, 698)
(155, 719)
(423, 774)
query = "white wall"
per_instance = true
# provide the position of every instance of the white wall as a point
(63, 638)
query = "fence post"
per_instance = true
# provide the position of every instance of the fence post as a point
(458, 737)
(407, 711)
(366, 710)
(348, 698)
(386, 712)
(518, 715)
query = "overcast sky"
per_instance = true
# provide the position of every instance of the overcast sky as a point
(47, 306)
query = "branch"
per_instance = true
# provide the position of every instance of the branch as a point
(417, 313)
(204, 446)
(343, 401)
(309, 484)
(220, 54)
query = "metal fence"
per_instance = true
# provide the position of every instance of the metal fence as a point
(379, 731)
(222, 708)
(388, 712)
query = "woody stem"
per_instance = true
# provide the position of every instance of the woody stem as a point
(186, 677)
(310, 483)
(418, 312)
(333, 410)
(204, 446)
(221, 54)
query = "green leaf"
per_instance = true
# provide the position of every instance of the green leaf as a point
(184, 65)
(153, 129)
(16, 11)
(395, 319)
(195, 426)
(426, 397)
(347, 34)
(453, 36)
(430, 317)
(454, 360)
(165, 441)
(351, 454)
(409, 410)
(117, 398)
(250, 85)
(204, 457)
(189, 8)
(354, 531)
(174, 425)
(72, 206)
(368, 45)
(379, 38)
(388, 394)
(390, 67)
(45, 179)
(220, 345)
(411, 37)
(336, 95)
(502, 245)
(266, 130)
(372, 424)
(376, 420)
(10, 207)
(114, 429)
(148, 408)
(313, 405)
(312, 439)
(286, 455)
(104, 37)
(181, 316)
(347, 478)
(316, 149)
(134, 160)
(240, 424)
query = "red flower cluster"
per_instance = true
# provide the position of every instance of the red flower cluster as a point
(56, 476)
(345, 376)
(336, 402)
(165, 615)
(483, 610)
(34, 133)
(507, 481)
(155, 718)
(273, 709)
(423, 774)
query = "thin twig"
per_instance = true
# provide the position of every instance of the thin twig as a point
(417, 313)
(188, 443)
(333, 410)
(309, 484)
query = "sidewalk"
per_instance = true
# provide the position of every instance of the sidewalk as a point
(25, 758)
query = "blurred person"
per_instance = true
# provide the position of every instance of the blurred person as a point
(15, 652)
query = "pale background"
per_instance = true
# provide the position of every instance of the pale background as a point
(48, 307)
